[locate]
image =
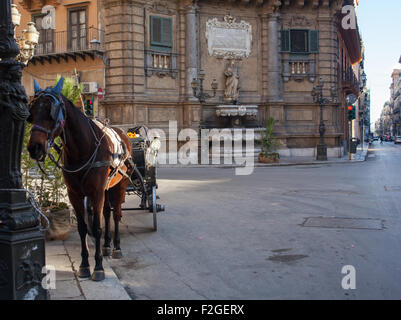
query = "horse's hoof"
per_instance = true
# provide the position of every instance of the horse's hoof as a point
(117, 254)
(98, 275)
(84, 272)
(106, 251)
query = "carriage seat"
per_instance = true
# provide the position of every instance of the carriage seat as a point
(119, 153)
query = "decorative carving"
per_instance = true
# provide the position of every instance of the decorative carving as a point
(276, 6)
(28, 273)
(159, 6)
(229, 39)
(250, 112)
(3, 273)
(298, 21)
(231, 93)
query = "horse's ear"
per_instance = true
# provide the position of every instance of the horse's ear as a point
(59, 86)
(36, 86)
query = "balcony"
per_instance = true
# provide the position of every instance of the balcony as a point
(61, 45)
(349, 81)
(299, 69)
(161, 63)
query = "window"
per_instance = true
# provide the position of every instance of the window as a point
(46, 36)
(77, 29)
(161, 34)
(300, 41)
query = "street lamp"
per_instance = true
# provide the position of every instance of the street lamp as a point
(197, 87)
(29, 37)
(317, 94)
(22, 243)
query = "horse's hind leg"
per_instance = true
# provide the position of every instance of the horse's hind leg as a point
(118, 199)
(98, 202)
(106, 250)
(78, 204)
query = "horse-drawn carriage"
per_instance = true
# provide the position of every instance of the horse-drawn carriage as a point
(143, 178)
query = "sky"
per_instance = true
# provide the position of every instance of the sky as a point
(380, 26)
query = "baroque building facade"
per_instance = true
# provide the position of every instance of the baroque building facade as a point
(278, 50)
(266, 57)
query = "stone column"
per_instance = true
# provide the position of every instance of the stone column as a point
(273, 67)
(191, 54)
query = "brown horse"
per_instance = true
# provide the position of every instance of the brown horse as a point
(87, 155)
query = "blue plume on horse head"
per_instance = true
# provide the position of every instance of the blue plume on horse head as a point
(59, 86)
(36, 86)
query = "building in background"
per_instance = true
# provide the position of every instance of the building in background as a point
(266, 55)
(389, 122)
(71, 43)
(395, 102)
(278, 51)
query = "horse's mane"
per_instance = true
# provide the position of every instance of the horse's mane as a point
(80, 119)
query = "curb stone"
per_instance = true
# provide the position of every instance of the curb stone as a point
(65, 256)
(358, 158)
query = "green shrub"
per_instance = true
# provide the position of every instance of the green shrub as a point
(269, 143)
(71, 90)
(49, 190)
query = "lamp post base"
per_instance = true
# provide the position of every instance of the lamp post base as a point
(21, 263)
(321, 152)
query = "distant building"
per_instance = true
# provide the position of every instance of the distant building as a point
(395, 102)
(71, 39)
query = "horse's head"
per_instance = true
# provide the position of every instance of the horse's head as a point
(47, 115)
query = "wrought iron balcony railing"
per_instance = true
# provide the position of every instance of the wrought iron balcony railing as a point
(348, 77)
(60, 42)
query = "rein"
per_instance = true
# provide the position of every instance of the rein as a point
(58, 116)
(60, 123)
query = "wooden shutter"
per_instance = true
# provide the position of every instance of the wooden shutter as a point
(166, 32)
(161, 33)
(155, 30)
(313, 41)
(285, 41)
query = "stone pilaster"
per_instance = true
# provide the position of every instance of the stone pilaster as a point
(274, 91)
(191, 53)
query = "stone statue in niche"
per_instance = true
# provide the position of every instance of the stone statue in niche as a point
(231, 93)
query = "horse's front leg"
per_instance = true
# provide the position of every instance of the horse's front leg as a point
(98, 202)
(77, 202)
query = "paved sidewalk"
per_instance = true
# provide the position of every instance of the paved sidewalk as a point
(65, 256)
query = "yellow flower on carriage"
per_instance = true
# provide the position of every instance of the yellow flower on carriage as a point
(131, 135)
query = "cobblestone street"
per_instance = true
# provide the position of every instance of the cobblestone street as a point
(229, 237)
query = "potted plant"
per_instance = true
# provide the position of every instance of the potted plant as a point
(49, 192)
(269, 144)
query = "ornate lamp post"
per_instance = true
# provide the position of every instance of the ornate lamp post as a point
(197, 87)
(317, 94)
(22, 244)
(29, 37)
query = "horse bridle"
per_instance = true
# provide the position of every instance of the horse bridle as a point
(57, 112)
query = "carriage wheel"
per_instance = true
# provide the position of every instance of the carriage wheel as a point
(88, 215)
(153, 208)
